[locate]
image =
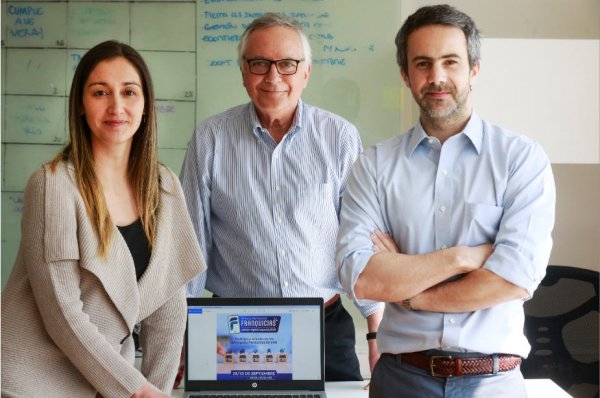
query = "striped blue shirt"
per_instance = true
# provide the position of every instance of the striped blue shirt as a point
(483, 185)
(266, 214)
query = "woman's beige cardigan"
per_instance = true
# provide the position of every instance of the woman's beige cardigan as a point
(67, 315)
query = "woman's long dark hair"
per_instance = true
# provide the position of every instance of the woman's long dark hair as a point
(143, 159)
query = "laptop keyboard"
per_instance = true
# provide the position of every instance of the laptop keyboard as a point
(257, 396)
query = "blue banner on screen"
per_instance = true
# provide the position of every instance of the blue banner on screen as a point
(254, 324)
(254, 347)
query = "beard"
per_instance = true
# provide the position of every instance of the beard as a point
(442, 109)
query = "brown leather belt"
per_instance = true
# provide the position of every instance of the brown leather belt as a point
(448, 366)
(331, 301)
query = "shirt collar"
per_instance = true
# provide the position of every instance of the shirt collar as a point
(417, 136)
(295, 128)
(473, 131)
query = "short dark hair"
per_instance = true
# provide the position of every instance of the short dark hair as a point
(442, 14)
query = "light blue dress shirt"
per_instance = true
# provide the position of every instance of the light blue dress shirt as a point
(266, 214)
(483, 185)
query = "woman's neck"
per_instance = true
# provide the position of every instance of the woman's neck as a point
(112, 172)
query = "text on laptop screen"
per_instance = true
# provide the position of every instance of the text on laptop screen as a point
(254, 343)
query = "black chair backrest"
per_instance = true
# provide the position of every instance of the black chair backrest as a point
(561, 324)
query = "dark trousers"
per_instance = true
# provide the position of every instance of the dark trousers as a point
(341, 362)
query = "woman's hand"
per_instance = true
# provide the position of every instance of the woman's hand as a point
(149, 391)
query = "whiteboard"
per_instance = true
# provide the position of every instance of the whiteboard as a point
(354, 73)
(546, 88)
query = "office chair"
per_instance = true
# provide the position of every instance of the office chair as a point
(561, 324)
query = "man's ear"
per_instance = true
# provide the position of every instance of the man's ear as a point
(474, 73)
(307, 75)
(405, 77)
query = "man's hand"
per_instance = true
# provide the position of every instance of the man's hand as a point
(374, 354)
(383, 242)
(472, 258)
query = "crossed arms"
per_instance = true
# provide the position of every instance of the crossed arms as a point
(392, 277)
(500, 266)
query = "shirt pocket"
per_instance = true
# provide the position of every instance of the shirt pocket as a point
(481, 222)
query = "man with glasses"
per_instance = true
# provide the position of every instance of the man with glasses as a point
(263, 183)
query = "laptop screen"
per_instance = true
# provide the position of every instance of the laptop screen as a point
(261, 343)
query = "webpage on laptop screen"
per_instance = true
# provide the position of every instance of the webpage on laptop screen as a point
(239, 343)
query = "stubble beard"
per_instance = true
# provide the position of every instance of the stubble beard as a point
(450, 112)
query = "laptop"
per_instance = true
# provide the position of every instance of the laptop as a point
(254, 346)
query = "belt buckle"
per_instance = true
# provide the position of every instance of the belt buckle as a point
(432, 365)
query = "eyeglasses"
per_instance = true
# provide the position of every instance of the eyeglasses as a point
(259, 66)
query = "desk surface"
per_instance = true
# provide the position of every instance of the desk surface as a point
(536, 388)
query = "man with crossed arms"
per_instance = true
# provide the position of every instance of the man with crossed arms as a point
(469, 208)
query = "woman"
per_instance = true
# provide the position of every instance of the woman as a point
(106, 243)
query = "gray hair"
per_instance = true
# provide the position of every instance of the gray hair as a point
(273, 19)
(442, 14)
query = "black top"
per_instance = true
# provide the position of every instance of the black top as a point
(138, 246)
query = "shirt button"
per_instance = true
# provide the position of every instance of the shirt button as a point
(443, 209)
(282, 252)
(279, 220)
(277, 187)
(285, 284)
(452, 321)
(430, 141)
(445, 172)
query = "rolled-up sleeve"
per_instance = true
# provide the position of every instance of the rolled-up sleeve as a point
(523, 243)
(360, 215)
